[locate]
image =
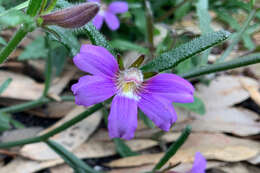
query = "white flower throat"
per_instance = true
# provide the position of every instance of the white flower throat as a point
(129, 82)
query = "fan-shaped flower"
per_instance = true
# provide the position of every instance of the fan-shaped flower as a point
(153, 96)
(108, 14)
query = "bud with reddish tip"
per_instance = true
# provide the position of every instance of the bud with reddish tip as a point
(73, 17)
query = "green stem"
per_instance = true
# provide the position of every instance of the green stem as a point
(17, 38)
(18, 7)
(53, 132)
(77, 164)
(239, 62)
(237, 37)
(32, 104)
(173, 149)
(48, 72)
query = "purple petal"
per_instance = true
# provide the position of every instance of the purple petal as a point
(112, 21)
(98, 21)
(94, 1)
(92, 90)
(96, 60)
(171, 87)
(118, 7)
(158, 110)
(122, 120)
(199, 165)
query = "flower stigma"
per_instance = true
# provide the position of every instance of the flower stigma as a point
(129, 82)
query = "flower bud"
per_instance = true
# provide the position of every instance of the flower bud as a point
(72, 17)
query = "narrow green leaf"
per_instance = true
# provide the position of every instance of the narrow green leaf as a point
(70, 158)
(173, 148)
(34, 7)
(149, 123)
(238, 62)
(197, 106)
(18, 7)
(36, 49)
(2, 41)
(123, 149)
(96, 37)
(238, 36)
(5, 85)
(204, 24)
(172, 58)
(66, 37)
(4, 122)
(14, 17)
(127, 45)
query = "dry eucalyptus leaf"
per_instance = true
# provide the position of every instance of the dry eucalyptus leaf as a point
(70, 138)
(237, 121)
(22, 87)
(98, 146)
(239, 168)
(61, 169)
(21, 165)
(255, 160)
(223, 91)
(101, 146)
(59, 83)
(212, 146)
(183, 167)
(253, 89)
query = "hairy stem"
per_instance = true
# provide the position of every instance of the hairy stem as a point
(53, 132)
(239, 62)
(32, 104)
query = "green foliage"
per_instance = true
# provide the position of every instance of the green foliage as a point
(4, 122)
(197, 106)
(15, 17)
(96, 37)
(239, 62)
(78, 165)
(233, 23)
(236, 38)
(66, 37)
(2, 41)
(59, 55)
(172, 58)
(34, 7)
(146, 120)
(123, 149)
(173, 148)
(4, 85)
(36, 49)
(124, 45)
(182, 11)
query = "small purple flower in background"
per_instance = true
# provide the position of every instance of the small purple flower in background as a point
(154, 96)
(199, 165)
(108, 13)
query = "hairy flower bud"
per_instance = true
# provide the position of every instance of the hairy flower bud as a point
(72, 17)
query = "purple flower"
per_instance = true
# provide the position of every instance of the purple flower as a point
(154, 96)
(108, 13)
(199, 165)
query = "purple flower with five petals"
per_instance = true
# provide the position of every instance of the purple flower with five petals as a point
(199, 165)
(154, 96)
(108, 13)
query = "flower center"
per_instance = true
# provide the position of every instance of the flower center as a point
(103, 9)
(129, 81)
